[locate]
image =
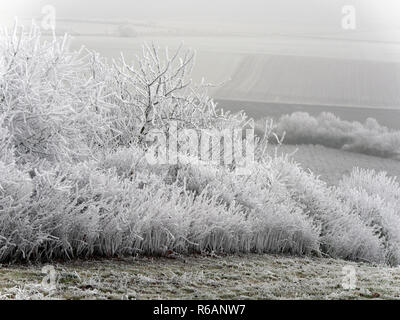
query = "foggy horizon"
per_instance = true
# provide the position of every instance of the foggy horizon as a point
(273, 14)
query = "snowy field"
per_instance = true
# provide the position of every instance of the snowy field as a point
(315, 81)
(331, 164)
(203, 277)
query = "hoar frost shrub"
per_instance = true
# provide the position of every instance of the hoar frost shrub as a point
(277, 224)
(342, 233)
(375, 198)
(43, 97)
(75, 182)
(15, 184)
(330, 131)
(84, 211)
(61, 111)
(290, 210)
(60, 105)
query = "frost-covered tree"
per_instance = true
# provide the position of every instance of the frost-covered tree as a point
(156, 88)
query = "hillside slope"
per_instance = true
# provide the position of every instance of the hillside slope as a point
(314, 80)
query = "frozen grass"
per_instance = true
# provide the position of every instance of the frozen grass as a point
(202, 277)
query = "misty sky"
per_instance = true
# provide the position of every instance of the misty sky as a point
(323, 13)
